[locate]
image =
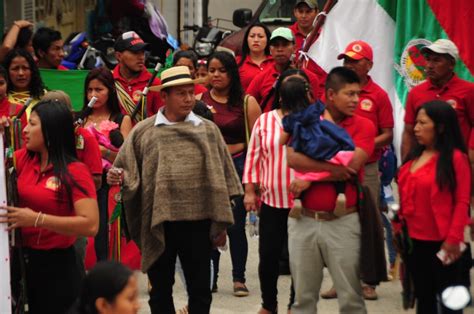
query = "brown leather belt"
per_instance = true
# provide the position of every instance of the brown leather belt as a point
(327, 216)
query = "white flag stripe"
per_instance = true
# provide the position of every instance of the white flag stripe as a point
(365, 20)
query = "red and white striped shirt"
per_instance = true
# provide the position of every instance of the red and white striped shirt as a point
(266, 164)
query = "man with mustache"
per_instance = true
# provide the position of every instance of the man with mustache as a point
(131, 75)
(282, 47)
(442, 84)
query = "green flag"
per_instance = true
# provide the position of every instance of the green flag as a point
(71, 82)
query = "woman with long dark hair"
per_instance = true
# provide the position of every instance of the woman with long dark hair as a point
(24, 80)
(228, 103)
(110, 287)
(255, 53)
(266, 169)
(434, 186)
(57, 203)
(105, 120)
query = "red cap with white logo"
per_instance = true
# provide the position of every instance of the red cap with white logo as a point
(357, 50)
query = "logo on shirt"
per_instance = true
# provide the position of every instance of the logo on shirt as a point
(79, 142)
(136, 95)
(412, 62)
(53, 183)
(366, 105)
(453, 103)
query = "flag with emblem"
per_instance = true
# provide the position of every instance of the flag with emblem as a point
(397, 30)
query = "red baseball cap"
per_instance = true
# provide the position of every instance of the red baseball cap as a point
(357, 50)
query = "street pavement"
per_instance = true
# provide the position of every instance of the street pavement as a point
(224, 302)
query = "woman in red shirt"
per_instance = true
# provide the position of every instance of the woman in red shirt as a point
(434, 186)
(255, 53)
(57, 202)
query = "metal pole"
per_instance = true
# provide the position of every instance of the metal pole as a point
(2, 19)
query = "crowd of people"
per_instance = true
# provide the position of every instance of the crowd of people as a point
(215, 139)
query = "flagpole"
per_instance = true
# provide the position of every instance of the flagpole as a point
(317, 25)
(5, 292)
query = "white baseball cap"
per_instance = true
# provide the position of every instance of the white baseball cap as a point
(443, 46)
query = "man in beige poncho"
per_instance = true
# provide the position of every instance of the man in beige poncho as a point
(178, 180)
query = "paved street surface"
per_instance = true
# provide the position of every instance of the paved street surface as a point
(225, 303)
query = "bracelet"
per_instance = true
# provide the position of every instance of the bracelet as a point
(37, 218)
(16, 24)
(42, 219)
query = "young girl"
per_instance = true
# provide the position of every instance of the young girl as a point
(8, 109)
(104, 117)
(310, 134)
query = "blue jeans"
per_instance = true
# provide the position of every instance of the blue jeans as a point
(392, 252)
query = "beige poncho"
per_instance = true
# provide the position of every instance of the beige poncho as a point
(172, 173)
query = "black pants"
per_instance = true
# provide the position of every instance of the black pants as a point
(430, 277)
(273, 229)
(53, 279)
(101, 240)
(190, 241)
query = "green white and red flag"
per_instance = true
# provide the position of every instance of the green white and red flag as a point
(397, 30)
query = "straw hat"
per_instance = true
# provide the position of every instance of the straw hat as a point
(175, 76)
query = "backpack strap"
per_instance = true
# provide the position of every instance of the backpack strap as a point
(127, 103)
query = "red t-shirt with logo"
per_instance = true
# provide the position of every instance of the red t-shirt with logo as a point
(321, 196)
(135, 87)
(88, 151)
(249, 69)
(263, 83)
(457, 92)
(375, 105)
(39, 191)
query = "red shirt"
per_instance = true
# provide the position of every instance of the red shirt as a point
(263, 83)
(266, 162)
(471, 140)
(39, 191)
(433, 214)
(135, 86)
(62, 68)
(88, 151)
(7, 109)
(321, 196)
(375, 105)
(249, 69)
(229, 119)
(299, 37)
(457, 92)
(199, 89)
